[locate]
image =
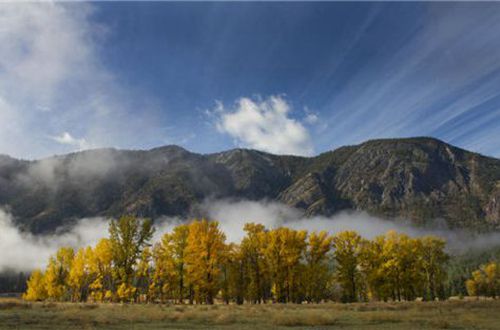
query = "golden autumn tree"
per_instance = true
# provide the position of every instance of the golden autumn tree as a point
(57, 273)
(371, 261)
(128, 237)
(401, 265)
(283, 250)
(101, 269)
(348, 250)
(296, 245)
(317, 269)
(485, 281)
(143, 276)
(473, 284)
(163, 278)
(205, 253)
(171, 263)
(36, 287)
(233, 275)
(492, 272)
(476, 286)
(79, 277)
(274, 255)
(256, 275)
(433, 258)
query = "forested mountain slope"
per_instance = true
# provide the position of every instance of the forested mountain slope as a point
(421, 179)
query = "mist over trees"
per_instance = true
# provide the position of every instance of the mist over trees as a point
(193, 264)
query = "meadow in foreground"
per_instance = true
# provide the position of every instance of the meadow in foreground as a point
(458, 314)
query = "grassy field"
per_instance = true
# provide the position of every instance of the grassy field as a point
(459, 314)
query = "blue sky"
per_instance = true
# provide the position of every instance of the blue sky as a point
(299, 78)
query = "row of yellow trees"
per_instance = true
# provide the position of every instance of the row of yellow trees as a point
(193, 263)
(485, 281)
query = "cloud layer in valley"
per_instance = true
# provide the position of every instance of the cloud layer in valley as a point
(23, 251)
(233, 215)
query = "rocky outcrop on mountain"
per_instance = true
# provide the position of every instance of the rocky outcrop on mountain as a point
(421, 179)
(312, 194)
(492, 209)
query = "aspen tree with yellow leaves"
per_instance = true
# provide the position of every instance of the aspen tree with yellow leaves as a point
(399, 263)
(233, 275)
(256, 276)
(485, 281)
(163, 279)
(347, 252)
(79, 277)
(36, 287)
(317, 266)
(205, 253)
(143, 276)
(433, 259)
(170, 272)
(56, 275)
(101, 269)
(283, 251)
(128, 236)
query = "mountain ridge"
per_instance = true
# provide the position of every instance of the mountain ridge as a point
(422, 179)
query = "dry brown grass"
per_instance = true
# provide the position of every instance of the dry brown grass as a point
(304, 318)
(10, 303)
(384, 317)
(459, 314)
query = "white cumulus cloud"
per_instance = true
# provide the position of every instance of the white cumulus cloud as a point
(264, 125)
(68, 139)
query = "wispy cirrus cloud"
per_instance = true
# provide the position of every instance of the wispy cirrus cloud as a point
(54, 86)
(436, 76)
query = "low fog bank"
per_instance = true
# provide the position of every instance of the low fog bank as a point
(23, 251)
(233, 215)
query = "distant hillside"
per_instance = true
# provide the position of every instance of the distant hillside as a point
(422, 179)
